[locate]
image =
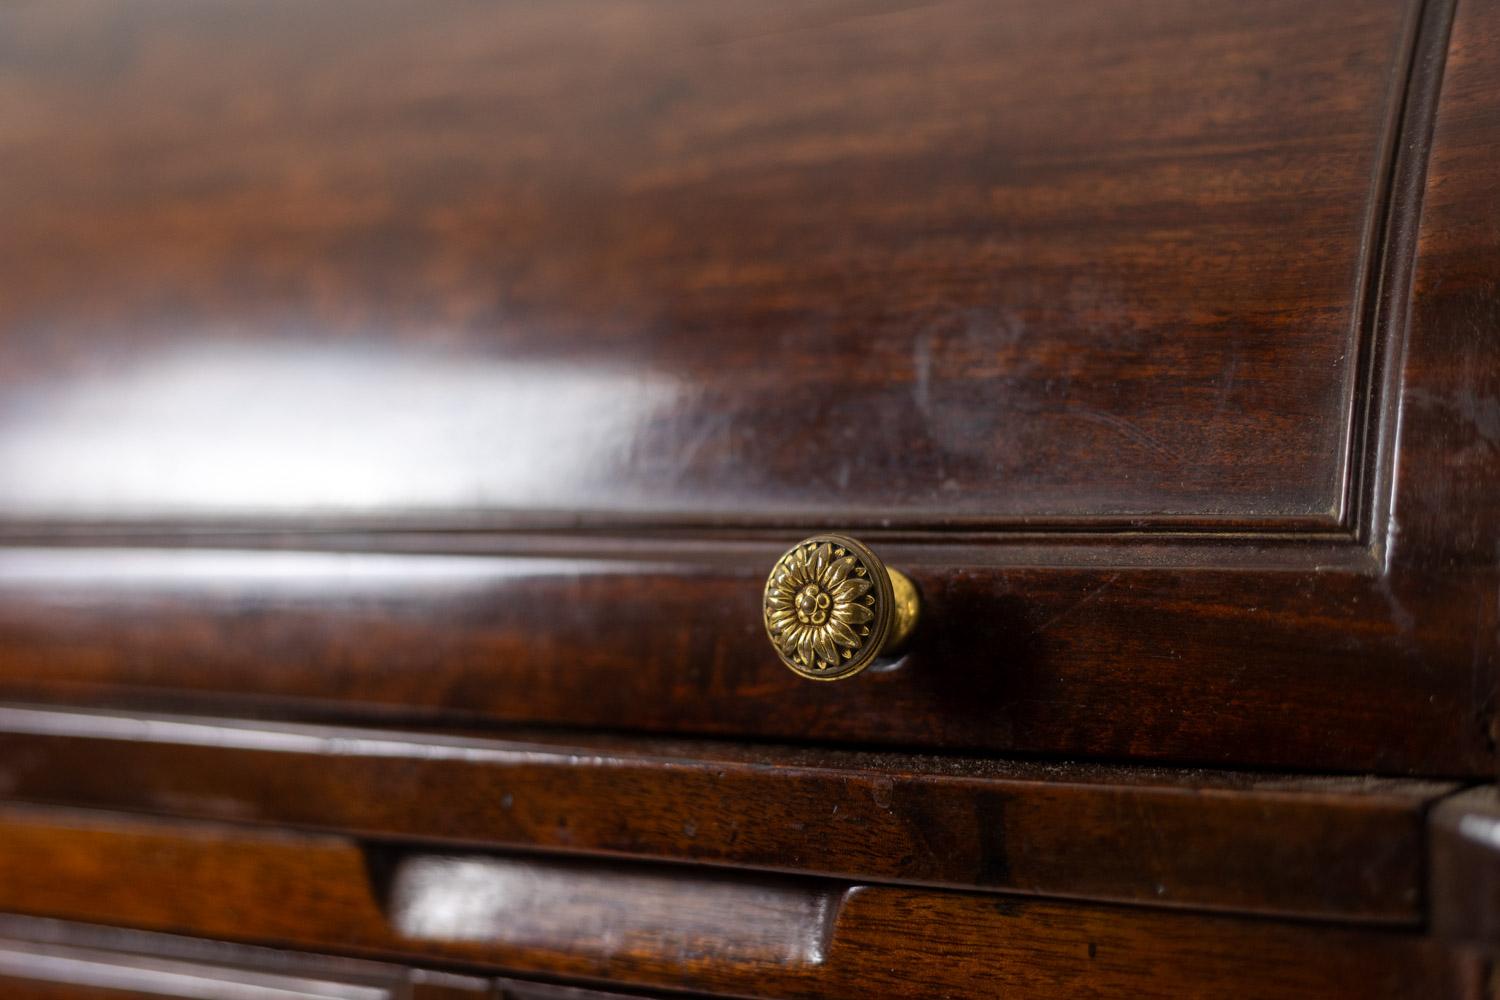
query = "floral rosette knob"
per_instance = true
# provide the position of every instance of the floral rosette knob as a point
(832, 607)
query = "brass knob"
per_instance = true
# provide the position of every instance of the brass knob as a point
(832, 607)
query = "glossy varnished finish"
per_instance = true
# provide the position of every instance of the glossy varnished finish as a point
(1300, 667)
(1157, 343)
(325, 892)
(42, 959)
(1207, 268)
(1098, 262)
(1343, 849)
(1447, 480)
(35, 972)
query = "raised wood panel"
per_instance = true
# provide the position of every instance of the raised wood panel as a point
(1345, 849)
(318, 892)
(855, 261)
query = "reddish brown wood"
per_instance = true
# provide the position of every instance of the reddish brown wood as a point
(469, 366)
(857, 260)
(511, 989)
(1447, 477)
(223, 962)
(54, 973)
(796, 939)
(56, 991)
(44, 959)
(1185, 206)
(1298, 668)
(1348, 849)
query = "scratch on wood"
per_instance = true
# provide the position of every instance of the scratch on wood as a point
(1085, 599)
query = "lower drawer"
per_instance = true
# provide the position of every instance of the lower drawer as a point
(44, 959)
(670, 927)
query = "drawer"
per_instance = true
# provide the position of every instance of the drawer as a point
(1145, 340)
(1319, 848)
(1222, 666)
(672, 928)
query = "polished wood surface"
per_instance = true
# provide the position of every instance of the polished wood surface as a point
(1347, 849)
(400, 409)
(960, 263)
(1447, 485)
(800, 938)
(299, 453)
(42, 959)
(29, 970)
(1302, 668)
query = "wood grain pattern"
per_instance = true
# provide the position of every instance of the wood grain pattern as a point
(465, 366)
(1290, 650)
(947, 263)
(1346, 849)
(272, 887)
(1291, 668)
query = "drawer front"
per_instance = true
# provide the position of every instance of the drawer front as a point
(492, 394)
(1313, 848)
(1299, 667)
(674, 928)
